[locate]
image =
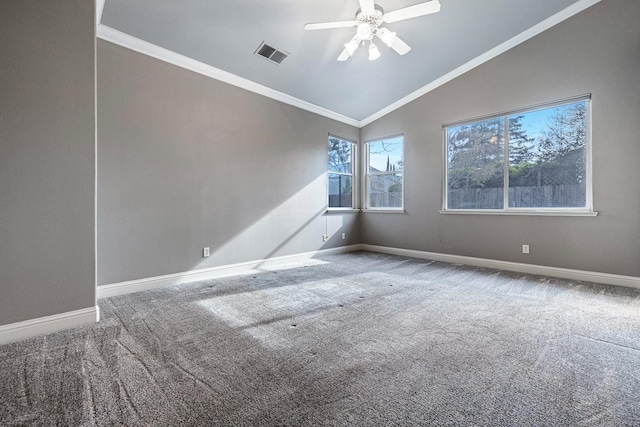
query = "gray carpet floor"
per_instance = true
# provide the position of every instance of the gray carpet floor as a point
(353, 339)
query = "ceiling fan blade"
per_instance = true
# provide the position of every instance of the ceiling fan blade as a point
(328, 25)
(344, 55)
(419, 9)
(367, 6)
(400, 46)
(393, 41)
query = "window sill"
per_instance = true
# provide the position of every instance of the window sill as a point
(388, 211)
(518, 212)
(341, 210)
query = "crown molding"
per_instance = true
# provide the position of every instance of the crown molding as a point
(99, 10)
(488, 55)
(125, 40)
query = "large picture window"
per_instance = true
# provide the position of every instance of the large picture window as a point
(384, 173)
(341, 167)
(528, 160)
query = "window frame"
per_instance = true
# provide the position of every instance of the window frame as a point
(353, 174)
(367, 175)
(587, 210)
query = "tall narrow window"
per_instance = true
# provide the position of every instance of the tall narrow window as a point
(384, 174)
(527, 160)
(341, 167)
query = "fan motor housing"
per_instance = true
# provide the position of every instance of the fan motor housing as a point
(374, 19)
(369, 23)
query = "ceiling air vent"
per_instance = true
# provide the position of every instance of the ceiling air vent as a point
(274, 55)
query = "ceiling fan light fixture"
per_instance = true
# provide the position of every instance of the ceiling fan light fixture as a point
(368, 20)
(374, 53)
(364, 31)
(388, 37)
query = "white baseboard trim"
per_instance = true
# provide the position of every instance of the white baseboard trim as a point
(122, 288)
(48, 324)
(563, 273)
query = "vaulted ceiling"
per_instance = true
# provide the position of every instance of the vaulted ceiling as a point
(222, 37)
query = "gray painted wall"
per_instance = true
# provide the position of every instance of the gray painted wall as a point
(47, 158)
(596, 51)
(185, 161)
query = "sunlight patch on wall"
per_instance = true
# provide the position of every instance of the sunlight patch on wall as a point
(292, 224)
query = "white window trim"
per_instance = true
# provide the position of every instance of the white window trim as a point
(342, 210)
(523, 212)
(385, 210)
(366, 175)
(585, 211)
(354, 174)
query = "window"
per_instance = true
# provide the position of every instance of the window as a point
(341, 167)
(384, 173)
(528, 160)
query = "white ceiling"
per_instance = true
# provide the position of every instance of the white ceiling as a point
(225, 34)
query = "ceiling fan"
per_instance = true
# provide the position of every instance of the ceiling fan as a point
(369, 19)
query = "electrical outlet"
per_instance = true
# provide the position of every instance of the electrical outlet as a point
(325, 237)
(206, 252)
(344, 236)
(525, 249)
